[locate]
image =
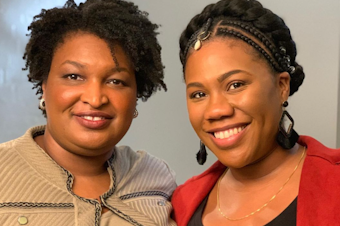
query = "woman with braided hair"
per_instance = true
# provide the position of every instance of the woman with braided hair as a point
(90, 64)
(239, 68)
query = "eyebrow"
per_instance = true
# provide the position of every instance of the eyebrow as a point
(119, 69)
(219, 79)
(195, 84)
(228, 74)
(74, 63)
(79, 65)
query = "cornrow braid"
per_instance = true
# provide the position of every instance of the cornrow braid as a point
(249, 21)
(114, 21)
(254, 45)
(281, 62)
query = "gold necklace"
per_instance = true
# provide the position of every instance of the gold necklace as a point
(264, 205)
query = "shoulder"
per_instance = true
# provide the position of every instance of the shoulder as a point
(8, 156)
(7, 146)
(11, 147)
(319, 184)
(188, 196)
(142, 170)
(210, 176)
(15, 146)
(145, 183)
(318, 152)
(321, 167)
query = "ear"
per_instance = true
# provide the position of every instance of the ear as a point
(283, 83)
(43, 87)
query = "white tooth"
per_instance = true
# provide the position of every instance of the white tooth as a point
(226, 134)
(221, 135)
(235, 131)
(88, 117)
(97, 118)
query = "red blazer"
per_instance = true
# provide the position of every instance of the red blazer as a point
(318, 201)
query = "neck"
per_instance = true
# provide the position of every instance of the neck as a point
(77, 164)
(270, 167)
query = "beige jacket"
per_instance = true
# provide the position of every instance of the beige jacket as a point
(35, 190)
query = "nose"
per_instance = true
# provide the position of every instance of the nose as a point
(94, 94)
(218, 107)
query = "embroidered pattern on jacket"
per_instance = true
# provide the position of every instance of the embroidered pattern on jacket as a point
(112, 190)
(110, 193)
(124, 216)
(144, 193)
(36, 204)
(96, 204)
(38, 133)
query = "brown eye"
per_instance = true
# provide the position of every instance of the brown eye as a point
(235, 85)
(116, 82)
(73, 77)
(197, 95)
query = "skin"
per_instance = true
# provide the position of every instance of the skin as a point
(229, 87)
(85, 81)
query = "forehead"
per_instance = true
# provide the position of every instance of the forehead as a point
(227, 44)
(220, 50)
(220, 55)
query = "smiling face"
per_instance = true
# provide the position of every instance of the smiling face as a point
(234, 101)
(90, 100)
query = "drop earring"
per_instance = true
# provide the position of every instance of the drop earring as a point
(286, 137)
(135, 114)
(201, 155)
(42, 104)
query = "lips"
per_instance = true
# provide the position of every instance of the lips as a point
(228, 136)
(93, 114)
(228, 133)
(93, 120)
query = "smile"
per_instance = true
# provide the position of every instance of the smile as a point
(91, 118)
(93, 122)
(228, 133)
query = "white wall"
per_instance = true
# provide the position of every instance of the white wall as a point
(162, 127)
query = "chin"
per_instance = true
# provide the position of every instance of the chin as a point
(233, 159)
(234, 164)
(95, 143)
(91, 151)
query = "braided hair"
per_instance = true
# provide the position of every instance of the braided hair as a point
(249, 21)
(114, 21)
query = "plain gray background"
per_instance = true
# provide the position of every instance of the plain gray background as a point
(162, 127)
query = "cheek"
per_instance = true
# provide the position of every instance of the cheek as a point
(259, 101)
(195, 112)
(124, 102)
(61, 97)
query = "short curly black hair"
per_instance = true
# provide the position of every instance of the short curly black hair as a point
(247, 20)
(114, 21)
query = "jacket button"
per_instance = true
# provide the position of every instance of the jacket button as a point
(22, 220)
(161, 203)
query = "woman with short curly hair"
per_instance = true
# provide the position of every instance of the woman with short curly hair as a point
(90, 63)
(239, 63)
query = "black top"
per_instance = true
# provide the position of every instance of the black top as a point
(286, 218)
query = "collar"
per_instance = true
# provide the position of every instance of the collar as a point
(39, 160)
(45, 166)
(318, 150)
